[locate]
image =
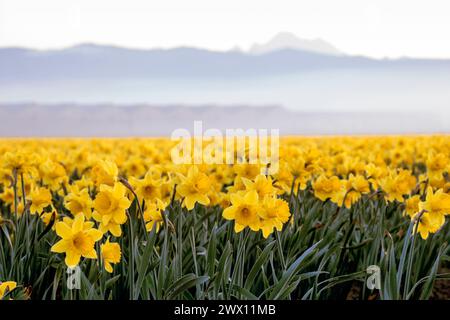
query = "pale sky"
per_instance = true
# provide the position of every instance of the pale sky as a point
(382, 28)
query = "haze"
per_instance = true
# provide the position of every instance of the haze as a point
(373, 28)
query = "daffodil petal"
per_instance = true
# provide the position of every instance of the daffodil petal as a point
(60, 247)
(63, 230)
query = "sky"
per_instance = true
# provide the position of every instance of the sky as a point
(382, 28)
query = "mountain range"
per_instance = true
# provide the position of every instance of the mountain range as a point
(109, 120)
(313, 88)
(282, 55)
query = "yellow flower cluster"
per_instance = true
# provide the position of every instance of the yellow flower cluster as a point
(87, 186)
(257, 206)
(430, 212)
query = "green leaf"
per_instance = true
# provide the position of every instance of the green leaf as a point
(183, 284)
(280, 288)
(144, 263)
(262, 259)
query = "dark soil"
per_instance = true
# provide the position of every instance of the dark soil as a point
(441, 289)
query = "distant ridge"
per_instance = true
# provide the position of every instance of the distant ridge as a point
(72, 120)
(91, 61)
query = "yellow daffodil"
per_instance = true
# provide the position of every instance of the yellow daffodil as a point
(7, 196)
(148, 188)
(262, 185)
(111, 254)
(105, 172)
(77, 241)
(244, 211)
(40, 199)
(374, 174)
(109, 208)
(355, 187)
(397, 185)
(194, 188)
(433, 211)
(19, 162)
(328, 188)
(437, 164)
(436, 203)
(412, 205)
(53, 174)
(273, 214)
(46, 217)
(6, 287)
(79, 201)
(429, 223)
(153, 214)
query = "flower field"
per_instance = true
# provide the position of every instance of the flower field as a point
(138, 226)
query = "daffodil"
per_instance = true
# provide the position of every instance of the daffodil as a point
(7, 196)
(111, 254)
(110, 205)
(79, 201)
(148, 188)
(354, 188)
(431, 212)
(273, 213)
(429, 223)
(396, 185)
(105, 172)
(5, 175)
(436, 203)
(77, 241)
(412, 205)
(374, 174)
(437, 163)
(328, 188)
(262, 185)
(153, 214)
(40, 199)
(53, 174)
(19, 162)
(244, 211)
(46, 217)
(249, 171)
(194, 188)
(6, 287)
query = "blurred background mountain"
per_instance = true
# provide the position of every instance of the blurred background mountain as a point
(299, 86)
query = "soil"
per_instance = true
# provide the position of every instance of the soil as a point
(441, 290)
